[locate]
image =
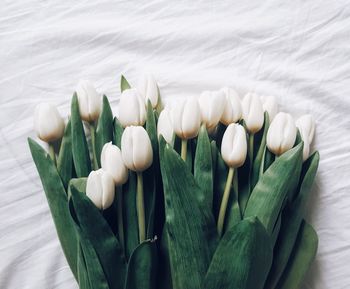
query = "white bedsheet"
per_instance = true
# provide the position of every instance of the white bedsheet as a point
(296, 50)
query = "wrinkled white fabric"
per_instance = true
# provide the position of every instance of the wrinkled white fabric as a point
(296, 50)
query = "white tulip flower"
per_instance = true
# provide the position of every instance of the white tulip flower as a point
(112, 162)
(187, 118)
(212, 105)
(281, 134)
(100, 189)
(148, 88)
(253, 113)
(48, 123)
(137, 150)
(270, 105)
(165, 126)
(132, 109)
(90, 102)
(306, 126)
(233, 108)
(234, 145)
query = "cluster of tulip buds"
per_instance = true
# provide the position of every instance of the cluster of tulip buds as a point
(241, 117)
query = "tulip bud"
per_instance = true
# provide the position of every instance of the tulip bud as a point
(48, 123)
(187, 118)
(306, 126)
(212, 105)
(148, 88)
(281, 134)
(233, 108)
(165, 126)
(270, 105)
(253, 113)
(112, 162)
(90, 102)
(234, 145)
(137, 150)
(132, 109)
(100, 189)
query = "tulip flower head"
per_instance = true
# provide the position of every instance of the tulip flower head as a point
(306, 126)
(212, 105)
(137, 150)
(148, 88)
(48, 123)
(270, 105)
(281, 134)
(112, 162)
(253, 113)
(90, 102)
(234, 145)
(187, 118)
(132, 109)
(233, 108)
(100, 189)
(165, 126)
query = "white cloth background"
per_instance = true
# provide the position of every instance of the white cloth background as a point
(296, 50)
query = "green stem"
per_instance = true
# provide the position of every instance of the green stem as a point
(184, 149)
(93, 142)
(140, 206)
(224, 201)
(52, 153)
(119, 193)
(251, 148)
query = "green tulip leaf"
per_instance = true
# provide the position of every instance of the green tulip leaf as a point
(243, 174)
(124, 84)
(270, 192)
(269, 158)
(149, 179)
(83, 278)
(58, 203)
(65, 157)
(302, 256)
(142, 267)
(242, 258)
(80, 151)
(131, 229)
(117, 132)
(104, 130)
(214, 158)
(97, 232)
(164, 271)
(292, 218)
(203, 168)
(221, 171)
(259, 150)
(191, 243)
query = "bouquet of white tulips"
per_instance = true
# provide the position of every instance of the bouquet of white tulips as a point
(208, 193)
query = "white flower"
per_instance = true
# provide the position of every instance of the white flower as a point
(270, 105)
(100, 189)
(132, 110)
(187, 118)
(306, 126)
(212, 105)
(137, 150)
(148, 88)
(281, 134)
(165, 126)
(112, 162)
(234, 145)
(253, 113)
(90, 102)
(233, 108)
(48, 123)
